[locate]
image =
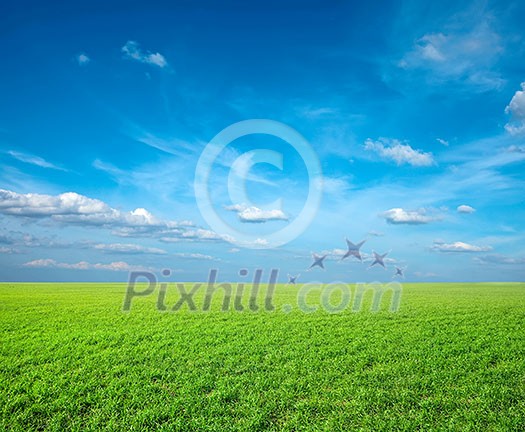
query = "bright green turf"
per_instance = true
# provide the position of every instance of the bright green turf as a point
(452, 358)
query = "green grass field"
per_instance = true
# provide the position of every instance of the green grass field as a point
(452, 358)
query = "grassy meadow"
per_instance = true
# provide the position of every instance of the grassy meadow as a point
(452, 358)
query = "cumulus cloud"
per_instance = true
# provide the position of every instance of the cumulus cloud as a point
(442, 142)
(82, 265)
(398, 216)
(516, 108)
(132, 51)
(465, 209)
(82, 59)
(398, 152)
(74, 209)
(459, 247)
(256, 215)
(33, 160)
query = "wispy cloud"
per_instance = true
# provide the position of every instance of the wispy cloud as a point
(82, 59)
(459, 53)
(336, 186)
(116, 173)
(132, 51)
(516, 149)
(33, 160)
(83, 265)
(127, 248)
(163, 142)
(398, 152)
(240, 166)
(459, 247)
(315, 113)
(195, 256)
(24, 239)
(501, 259)
(8, 250)
(172, 146)
(426, 274)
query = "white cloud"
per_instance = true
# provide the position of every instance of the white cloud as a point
(312, 113)
(500, 259)
(465, 209)
(459, 247)
(516, 108)
(398, 216)
(335, 185)
(398, 152)
(336, 254)
(256, 215)
(31, 241)
(132, 50)
(74, 209)
(240, 166)
(180, 234)
(69, 204)
(172, 146)
(200, 234)
(258, 242)
(116, 173)
(126, 248)
(195, 256)
(458, 56)
(235, 207)
(71, 207)
(33, 160)
(515, 149)
(82, 265)
(442, 142)
(425, 274)
(8, 250)
(82, 59)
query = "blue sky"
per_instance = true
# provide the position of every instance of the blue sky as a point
(415, 111)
